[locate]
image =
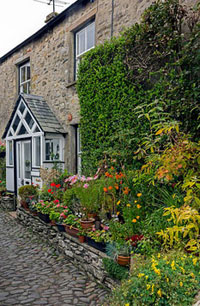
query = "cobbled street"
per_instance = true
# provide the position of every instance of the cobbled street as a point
(33, 273)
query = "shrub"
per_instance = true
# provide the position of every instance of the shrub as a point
(169, 280)
(114, 270)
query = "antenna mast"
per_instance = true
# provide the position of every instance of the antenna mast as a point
(54, 3)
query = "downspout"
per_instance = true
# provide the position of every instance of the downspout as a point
(112, 20)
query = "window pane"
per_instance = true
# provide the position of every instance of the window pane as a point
(90, 36)
(16, 122)
(10, 147)
(29, 120)
(56, 149)
(47, 150)
(36, 130)
(28, 73)
(27, 160)
(22, 130)
(28, 87)
(82, 42)
(37, 151)
(23, 78)
(22, 107)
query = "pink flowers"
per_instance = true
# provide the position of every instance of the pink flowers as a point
(86, 186)
(56, 201)
(58, 205)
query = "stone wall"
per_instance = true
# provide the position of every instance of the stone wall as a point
(52, 61)
(8, 203)
(85, 257)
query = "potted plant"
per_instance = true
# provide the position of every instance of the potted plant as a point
(98, 238)
(82, 235)
(27, 193)
(72, 225)
(120, 252)
(89, 195)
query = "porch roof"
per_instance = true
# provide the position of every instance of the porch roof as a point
(42, 113)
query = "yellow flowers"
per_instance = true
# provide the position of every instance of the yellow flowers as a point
(158, 255)
(118, 213)
(173, 265)
(141, 274)
(148, 286)
(159, 292)
(127, 304)
(118, 202)
(139, 206)
(192, 274)
(128, 205)
(134, 220)
(152, 288)
(194, 260)
(181, 284)
(139, 195)
(138, 217)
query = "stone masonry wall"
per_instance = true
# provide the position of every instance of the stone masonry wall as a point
(85, 257)
(52, 61)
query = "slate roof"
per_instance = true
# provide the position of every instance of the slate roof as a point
(42, 113)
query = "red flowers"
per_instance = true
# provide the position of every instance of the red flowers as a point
(54, 185)
(58, 186)
(49, 190)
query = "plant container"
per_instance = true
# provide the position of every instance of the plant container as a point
(44, 217)
(61, 227)
(85, 224)
(123, 260)
(72, 231)
(81, 239)
(24, 204)
(101, 246)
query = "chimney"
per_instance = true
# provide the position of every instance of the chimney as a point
(51, 16)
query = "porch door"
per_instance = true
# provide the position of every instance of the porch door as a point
(23, 162)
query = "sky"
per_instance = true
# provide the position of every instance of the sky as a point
(19, 19)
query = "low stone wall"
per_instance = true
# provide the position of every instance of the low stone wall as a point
(85, 257)
(7, 203)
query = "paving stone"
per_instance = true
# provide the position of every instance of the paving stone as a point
(33, 273)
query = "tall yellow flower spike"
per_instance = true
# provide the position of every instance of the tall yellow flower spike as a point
(159, 292)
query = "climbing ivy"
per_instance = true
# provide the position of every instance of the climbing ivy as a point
(131, 86)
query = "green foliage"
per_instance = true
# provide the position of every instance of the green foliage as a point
(27, 191)
(114, 270)
(145, 80)
(169, 280)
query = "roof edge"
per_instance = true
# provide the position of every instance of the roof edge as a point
(51, 24)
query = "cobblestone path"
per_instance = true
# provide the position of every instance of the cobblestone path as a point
(32, 273)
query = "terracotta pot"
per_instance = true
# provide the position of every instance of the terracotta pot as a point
(81, 239)
(72, 231)
(24, 205)
(92, 216)
(123, 260)
(87, 223)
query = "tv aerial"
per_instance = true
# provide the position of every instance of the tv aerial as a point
(54, 3)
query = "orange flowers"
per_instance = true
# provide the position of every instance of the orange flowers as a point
(139, 195)
(105, 189)
(126, 190)
(134, 220)
(139, 206)
(108, 174)
(110, 188)
(116, 187)
(138, 217)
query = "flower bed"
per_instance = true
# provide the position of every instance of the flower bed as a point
(87, 258)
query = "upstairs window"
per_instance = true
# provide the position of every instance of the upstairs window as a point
(85, 40)
(25, 78)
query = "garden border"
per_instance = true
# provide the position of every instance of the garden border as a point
(85, 257)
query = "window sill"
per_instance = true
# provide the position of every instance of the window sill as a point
(53, 161)
(71, 84)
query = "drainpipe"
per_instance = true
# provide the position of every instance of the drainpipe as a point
(112, 19)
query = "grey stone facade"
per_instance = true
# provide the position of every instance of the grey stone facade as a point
(51, 55)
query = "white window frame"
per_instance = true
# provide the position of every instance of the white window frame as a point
(53, 140)
(27, 82)
(34, 153)
(79, 152)
(10, 155)
(84, 31)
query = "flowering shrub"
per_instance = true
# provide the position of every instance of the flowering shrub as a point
(168, 280)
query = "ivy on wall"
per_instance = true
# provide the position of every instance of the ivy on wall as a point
(134, 84)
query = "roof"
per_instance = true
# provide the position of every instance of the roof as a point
(42, 113)
(51, 24)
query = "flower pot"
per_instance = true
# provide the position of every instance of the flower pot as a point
(92, 216)
(101, 246)
(61, 227)
(24, 204)
(34, 212)
(123, 260)
(87, 223)
(52, 222)
(81, 239)
(72, 231)
(44, 217)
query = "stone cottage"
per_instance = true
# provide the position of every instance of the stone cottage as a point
(39, 107)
